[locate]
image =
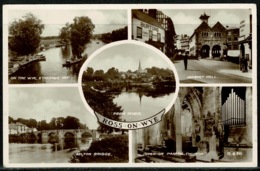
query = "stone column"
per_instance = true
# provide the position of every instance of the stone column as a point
(144, 138)
(178, 133)
(134, 145)
(213, 148)
(94, 136)
(210, 53)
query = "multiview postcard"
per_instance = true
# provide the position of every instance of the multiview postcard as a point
(109, 85)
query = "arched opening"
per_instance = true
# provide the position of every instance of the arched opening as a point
(186, 126)
(188, 112)
(53, 138)
(216, 51)
(205, 51)
(69, 140)
(32, 138)
(86, 137)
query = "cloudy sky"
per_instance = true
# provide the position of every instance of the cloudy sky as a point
(186, 20)
(123, 59)
(54, 19)
(48, 102)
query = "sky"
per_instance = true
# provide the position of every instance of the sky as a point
(54, 19)
(186, 20)
(123, 59)
(44, 103)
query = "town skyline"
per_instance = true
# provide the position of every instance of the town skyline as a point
(117, 57)
(187, 20)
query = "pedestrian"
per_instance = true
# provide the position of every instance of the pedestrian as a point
(185, 60)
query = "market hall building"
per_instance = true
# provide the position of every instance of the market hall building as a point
(207, 123)
(208, 41)
(148, 30)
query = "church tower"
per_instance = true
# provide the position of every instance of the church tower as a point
(204, 18)
(139, 67)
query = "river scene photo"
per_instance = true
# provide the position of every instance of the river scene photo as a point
(133, 86)
(52, 70)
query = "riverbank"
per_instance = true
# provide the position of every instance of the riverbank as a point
(16, 63)
(108, 150)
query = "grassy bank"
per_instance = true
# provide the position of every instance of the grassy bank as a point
(109, 150)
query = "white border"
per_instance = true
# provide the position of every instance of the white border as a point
(129, 7)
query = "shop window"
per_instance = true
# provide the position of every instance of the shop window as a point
(158, 37)
(139, 32)
(150, 34)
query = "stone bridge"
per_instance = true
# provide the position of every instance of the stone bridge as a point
(45, 135)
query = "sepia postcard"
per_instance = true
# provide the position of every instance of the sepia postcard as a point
(147, 85)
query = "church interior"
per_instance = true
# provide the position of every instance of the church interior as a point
(205, 124)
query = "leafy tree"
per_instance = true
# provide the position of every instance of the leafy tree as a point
(115, 35)
(32, 123)
(112, 73)
(71, 122)
(22, 121)
(90, 71)
(169, 39)
(43, 125)
(24, 35)
(99, 75)
(103, 104)
(10, 120)
(80, 34)
(65, 33)
(60, 122)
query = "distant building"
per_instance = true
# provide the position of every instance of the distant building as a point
(184, 40)
(148, 30)
(232, 51)
(245, 38)
(17, 128)
(208, 41)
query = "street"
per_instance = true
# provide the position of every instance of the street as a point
(211, 71)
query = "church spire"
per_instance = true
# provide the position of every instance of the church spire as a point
(139, 67)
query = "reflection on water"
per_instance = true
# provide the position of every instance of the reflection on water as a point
(137, 106)
(45, 153)
(51, 70)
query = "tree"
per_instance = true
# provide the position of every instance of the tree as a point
(169, 39)
(71, 122)
(80, 34)
(24, 35)
(32, 123)
(10, 120)
(112, 73)
(65, 33)
(99, 75)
